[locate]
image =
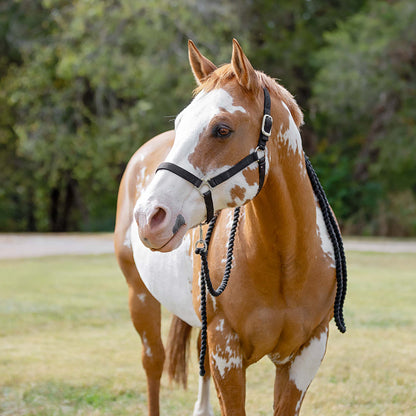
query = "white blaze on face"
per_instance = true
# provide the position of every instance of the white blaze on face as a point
(306, 364)
(193, 120)
(173, 191)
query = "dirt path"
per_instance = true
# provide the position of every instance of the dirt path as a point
(39, 245)
(380, 245)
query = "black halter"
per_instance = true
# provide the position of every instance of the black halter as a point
(258, 156)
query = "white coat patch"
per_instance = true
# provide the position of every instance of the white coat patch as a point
(167, 276)
(322, 232)
(228, 226)
(306, 364)
(146, 346)
(202, 406)
(292, 135)
(227, 359)
(127, 238)
(220, 326)
(141, 297)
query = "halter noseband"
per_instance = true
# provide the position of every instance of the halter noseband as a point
(258, 156)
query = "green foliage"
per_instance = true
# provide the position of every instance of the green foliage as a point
(83, 84)
(365, 100)
(100, 79)
(285, 34)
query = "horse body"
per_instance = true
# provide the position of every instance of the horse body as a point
(280, 295)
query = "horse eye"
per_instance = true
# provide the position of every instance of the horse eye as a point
(222, 131)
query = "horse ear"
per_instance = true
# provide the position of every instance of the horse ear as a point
(201, 66)
(245, 73)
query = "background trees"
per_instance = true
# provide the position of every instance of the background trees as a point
(364, 107)
(83, 84)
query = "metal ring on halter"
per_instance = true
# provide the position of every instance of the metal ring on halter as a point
(261, 153)
(203, 183)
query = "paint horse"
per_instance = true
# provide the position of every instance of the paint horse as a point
(280, 295)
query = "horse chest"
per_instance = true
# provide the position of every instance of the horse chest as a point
(273, 311)
(167, 276)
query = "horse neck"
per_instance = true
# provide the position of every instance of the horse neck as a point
(283, 215)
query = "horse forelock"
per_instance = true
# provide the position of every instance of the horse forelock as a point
(225, 74)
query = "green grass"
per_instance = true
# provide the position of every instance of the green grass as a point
(67, 346)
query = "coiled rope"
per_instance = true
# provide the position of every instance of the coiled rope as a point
(205, 280)
(336, 240)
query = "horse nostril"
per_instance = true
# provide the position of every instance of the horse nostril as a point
(157, 218)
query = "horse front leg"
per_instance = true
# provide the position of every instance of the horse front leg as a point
(146, 316)
(203, 406)
(293, 378)
(228, 368)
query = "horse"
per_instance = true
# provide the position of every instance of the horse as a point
(282, 273)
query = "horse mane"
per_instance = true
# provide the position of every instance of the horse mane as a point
(225, 73)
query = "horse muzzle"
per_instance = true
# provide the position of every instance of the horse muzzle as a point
(158, 229)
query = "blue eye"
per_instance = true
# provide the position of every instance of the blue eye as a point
(222, 131)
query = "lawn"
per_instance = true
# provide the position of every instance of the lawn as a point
(67, 346)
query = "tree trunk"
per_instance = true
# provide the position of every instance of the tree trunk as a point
(54, 210)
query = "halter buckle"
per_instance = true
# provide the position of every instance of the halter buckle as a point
(267, 118)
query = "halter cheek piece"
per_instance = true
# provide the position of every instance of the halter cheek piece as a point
(258, 156)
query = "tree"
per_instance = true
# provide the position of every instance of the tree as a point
(365, 105)
(100, 78)
(19, 23)
(285, 35)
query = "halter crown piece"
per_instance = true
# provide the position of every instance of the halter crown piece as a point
(201, 247)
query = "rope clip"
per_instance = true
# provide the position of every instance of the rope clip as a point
(201, 244)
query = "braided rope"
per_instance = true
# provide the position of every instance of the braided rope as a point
(340, 262)
(205, 280)
(336, 239)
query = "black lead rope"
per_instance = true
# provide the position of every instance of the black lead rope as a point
(336, 239)
(205, 280)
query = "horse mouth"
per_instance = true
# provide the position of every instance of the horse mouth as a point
(174, 242)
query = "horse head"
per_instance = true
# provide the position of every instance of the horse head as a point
(214, 133)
